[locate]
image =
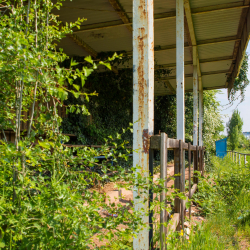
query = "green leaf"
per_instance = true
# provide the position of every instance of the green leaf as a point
(73, 63)
(89, 59)
(77, 87)
(106, 64)
(44, 144)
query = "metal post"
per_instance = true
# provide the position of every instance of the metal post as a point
(182, 169)
(195, 106)
(163, 216)
(189, 175)
(180, 81)
(151, 198)
(143, 105)
(245, 160)
(200, 116)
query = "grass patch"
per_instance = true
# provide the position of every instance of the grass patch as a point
(224, 200)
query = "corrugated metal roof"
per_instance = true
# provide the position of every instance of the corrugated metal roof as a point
(94, 11)
(202, 3)
(169, 56)
(159, 6)
(215, 81)
(217, 24)
(216, 50)
(213, 20)
(71, 48)
(216, 66)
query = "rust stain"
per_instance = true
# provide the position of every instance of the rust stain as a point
(146, 141)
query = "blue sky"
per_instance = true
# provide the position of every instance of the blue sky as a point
(243, 107)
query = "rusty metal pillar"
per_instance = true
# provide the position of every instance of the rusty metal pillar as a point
(195, 106)
(143, 105)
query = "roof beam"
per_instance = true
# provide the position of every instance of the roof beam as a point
(209, 60)
(122, 14)
(243, 35)
(203, 74)
(158, 17)
(83, 45)
(199, 43)
(192, 35)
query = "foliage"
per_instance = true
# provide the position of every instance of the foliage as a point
(240, 83)
(112, 109)
(51, 195)
(224, 199)
(212, 120)
(234, 129)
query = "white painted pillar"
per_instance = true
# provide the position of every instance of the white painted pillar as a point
(201, 110)
(180, 81)
(143, 104)
(180, 90)
(195, 106)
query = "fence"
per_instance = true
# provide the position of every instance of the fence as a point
(233, 154)
(163, 143)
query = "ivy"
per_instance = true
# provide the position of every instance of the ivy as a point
(240, 83)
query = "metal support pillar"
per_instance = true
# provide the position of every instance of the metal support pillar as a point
(180, 81)
(163, 215)
(180, 92)
(143, 105)
(200, 115)
(195, 106)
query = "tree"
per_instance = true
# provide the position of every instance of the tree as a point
(234, 129)
(45, 186)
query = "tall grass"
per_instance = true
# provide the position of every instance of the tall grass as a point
(224, 200)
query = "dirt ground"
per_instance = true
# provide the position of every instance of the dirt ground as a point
(124, 197)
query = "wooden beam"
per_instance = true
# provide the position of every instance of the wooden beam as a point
(123, 15)
(160, 16)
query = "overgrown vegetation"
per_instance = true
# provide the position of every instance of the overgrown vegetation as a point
(224, 200)
(50, 195)
(240, 83)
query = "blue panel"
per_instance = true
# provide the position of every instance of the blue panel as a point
(221, 148)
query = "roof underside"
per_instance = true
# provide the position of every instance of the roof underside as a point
(221, 30)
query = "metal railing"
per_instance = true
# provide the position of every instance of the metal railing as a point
(164, 144)
(233, 154)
